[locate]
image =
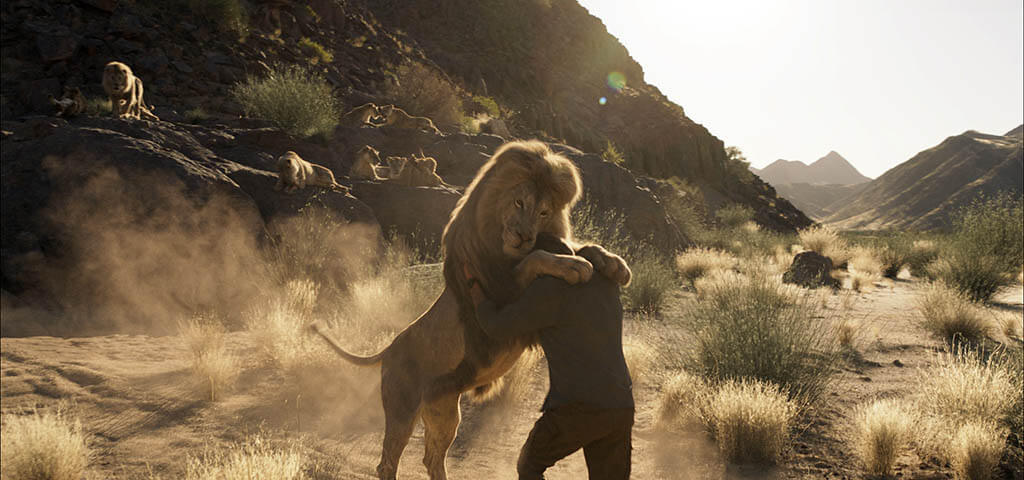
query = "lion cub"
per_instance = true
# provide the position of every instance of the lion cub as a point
(70, 104)
(419, 172)
(294, 173)
(396, 117)
(125, 92)
(366, 165)
(360, 116)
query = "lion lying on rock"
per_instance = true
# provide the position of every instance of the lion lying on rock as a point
(125, 92)
(294, 173)
(419, 172)
(523, 191)
(398, 118)
(70, 104)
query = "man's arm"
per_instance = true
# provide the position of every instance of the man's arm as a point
(540, 306)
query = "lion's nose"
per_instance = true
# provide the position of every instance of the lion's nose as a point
(525, 238)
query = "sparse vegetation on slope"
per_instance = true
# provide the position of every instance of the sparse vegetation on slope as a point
(425, 92)
(295, 99)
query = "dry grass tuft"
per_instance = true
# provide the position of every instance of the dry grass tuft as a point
(43, 446)
(977, 449)
(882, 429)
(640, 358)
(254, 459)
(964, 387)
(212, 364)
(827, 242)
(694, 263)
(1012, 325)
(950, 316)
(751, 420)
(865, 269)
(848, 332)
(681, 402)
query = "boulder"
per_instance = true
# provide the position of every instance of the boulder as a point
(811, 270)
(419, 213)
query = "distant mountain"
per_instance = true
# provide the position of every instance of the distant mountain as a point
(817, 201)
(832, 169)
(923, 192)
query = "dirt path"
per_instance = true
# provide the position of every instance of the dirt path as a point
(134, 397)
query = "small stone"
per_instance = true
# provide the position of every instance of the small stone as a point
(897, 363)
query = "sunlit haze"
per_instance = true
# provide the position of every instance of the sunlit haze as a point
(876, 81)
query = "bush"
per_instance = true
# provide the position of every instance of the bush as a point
(951, 316)
(42, 446)
(653, 278)
(881, 430)
(751, 420)
(486, 105)
(922, 252)
(964, 387)
(423, 91)
(826, 241)
(612, 154)
(977, 449)
(697, 262)
(213, 365)
(316, 52)
(196, 115)
(229, 15)
(293, 98)
(756, 328)
(986, 248)
(734, 215)
(683, 401)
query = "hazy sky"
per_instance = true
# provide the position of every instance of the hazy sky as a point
(876, 81)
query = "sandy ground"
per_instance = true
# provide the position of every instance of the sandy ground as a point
(136, 399)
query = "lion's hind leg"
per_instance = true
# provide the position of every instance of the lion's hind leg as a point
(441, 418)
(401, 407)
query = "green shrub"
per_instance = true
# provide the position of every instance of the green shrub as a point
(229, 15)
(294, 98)
(734, 215)
(737, 166)
(922, 252)
(612, 154)
(986, 248)
(196, 115)
(755, 327)
(316, 52)
(653, 278)
(425, 92)
(487, 105)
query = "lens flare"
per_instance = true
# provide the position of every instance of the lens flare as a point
(616, 81)
(602, 101)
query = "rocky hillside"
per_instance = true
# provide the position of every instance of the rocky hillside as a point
(832, 169)
(547, 63)
(818, 201)
(923, 192)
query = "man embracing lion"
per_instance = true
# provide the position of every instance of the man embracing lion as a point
(589, 404)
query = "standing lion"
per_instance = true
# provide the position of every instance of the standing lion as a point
(125, 92)
(294, 173)
(523, 191)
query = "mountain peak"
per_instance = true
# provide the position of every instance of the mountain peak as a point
(1017, 132)
(830, 169)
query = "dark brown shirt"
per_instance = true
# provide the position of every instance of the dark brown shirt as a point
(580, 330)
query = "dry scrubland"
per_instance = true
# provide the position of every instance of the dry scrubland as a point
(912, 368)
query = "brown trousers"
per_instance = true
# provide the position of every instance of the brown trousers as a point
(604, 434)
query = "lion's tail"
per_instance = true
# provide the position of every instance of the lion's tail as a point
(356, 359)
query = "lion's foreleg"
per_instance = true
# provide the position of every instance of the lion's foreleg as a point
(441, 419)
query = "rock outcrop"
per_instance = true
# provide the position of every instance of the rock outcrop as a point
(811, 270)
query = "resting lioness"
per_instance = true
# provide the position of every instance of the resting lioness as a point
(70, 104)
(398, 118)
(294, 173)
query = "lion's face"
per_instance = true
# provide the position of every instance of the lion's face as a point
(118, 76)
(524, 211)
